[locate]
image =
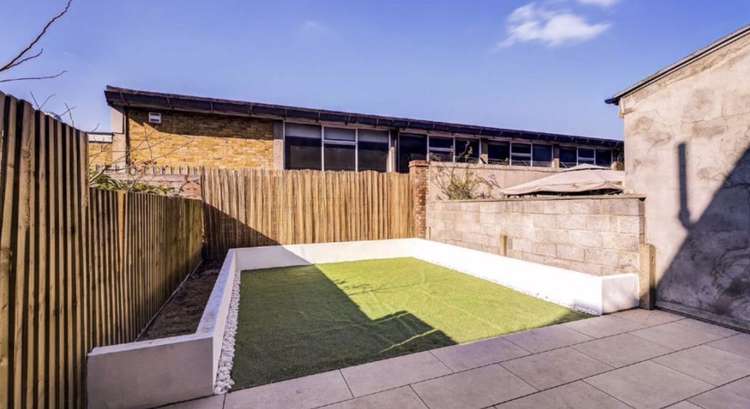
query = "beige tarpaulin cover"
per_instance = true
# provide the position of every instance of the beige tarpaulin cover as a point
(582, 178)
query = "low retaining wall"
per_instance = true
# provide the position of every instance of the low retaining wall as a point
(152, 373)
(598, 235)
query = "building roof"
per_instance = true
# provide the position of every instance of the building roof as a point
(123, 97)
(716, 45)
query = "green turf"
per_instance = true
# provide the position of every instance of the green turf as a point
(297, 321)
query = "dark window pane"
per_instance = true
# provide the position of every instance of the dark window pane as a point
(467, 150)
(520, 154)
(521, 148)
(367, 135)
(604, 158)
(498, 153)
(410, 147)
(542, 155)
(437, 142)
(568, 157)
(441, 156)
(302, 153)
(586, 156)
(303, 131)
(339, 134)
(373, 156)
(339, 157)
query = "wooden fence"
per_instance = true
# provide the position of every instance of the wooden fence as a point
(78, 268)
(263, 207)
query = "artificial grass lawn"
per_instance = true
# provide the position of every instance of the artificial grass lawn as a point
(296, 321)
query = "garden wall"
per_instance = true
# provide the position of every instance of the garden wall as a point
(497, 176)
(599, 235)
(78, 268)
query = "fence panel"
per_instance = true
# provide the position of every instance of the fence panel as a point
(259, 207)
(79, 267)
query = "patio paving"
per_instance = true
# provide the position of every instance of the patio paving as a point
(633, 359)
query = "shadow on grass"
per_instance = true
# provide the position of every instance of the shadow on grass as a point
(296, 321)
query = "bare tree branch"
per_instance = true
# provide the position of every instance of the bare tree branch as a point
(22, 57)
(41, 77)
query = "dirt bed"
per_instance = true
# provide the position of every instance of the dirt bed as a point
(182, 314)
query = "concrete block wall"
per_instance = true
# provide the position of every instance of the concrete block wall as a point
(599, 235)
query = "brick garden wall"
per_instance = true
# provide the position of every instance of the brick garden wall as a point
(189, 139)
(595, 235)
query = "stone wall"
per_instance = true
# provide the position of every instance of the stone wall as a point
(190, 139)
(599, 235)
(496, 176)
(687, 147)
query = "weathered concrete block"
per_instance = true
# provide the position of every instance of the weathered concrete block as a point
(630, 224)
(585, 238)
(602, 256)
(568, 252)
(620, 241)
(572, 221)
(544, 221)
(545, 249)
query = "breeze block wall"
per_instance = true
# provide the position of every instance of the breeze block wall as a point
(599, 235)
(192, 139)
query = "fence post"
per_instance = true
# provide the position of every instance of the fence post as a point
(418, 181)
(647, 284)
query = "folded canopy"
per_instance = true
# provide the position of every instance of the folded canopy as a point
(582, 178)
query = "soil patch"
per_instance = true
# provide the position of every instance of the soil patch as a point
(182, 314)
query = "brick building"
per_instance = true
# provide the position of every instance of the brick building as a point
(178, 130)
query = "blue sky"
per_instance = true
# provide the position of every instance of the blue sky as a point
(544, 65)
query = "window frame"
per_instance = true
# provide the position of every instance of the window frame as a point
(530, 154)
(324, 142)
(586, 158)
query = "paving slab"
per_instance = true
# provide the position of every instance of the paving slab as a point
(553, 368)
(648, 317)
(738, 344)
(390, 373)
(578, 395)
(401, 398)
(476, 354)
(648, 385)
(684, 405)
(708, 364)
(301, 393)
(544, 339)
(621, 350)
(706, 327)
(604, 326)
(212, 402)
(472, 389)
(735, 395)
(675, 335)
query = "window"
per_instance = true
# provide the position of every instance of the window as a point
(372, 150)
(542, 155)
(520, 154)
(586, 155)
(302, 147)
(568, 157)
(604, 157)
(410, 147)
(498, 153)
(339, 149)
(441, 149)
(467, 150)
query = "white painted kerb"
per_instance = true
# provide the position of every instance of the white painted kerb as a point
(151, 373)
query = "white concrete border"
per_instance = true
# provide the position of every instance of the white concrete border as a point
(152, 373)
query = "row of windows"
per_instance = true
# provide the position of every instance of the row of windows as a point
(331, 148)
(327, 148)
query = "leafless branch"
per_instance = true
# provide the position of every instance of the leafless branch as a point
(37, 105)
(40, 77)
(22, 56)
